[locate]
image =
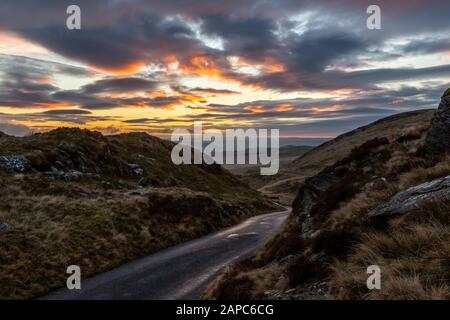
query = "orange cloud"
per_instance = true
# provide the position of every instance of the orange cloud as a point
(272, 66)
(255, 108)
(123, 70)
(334, 107)
(284, 107)
(202, 66)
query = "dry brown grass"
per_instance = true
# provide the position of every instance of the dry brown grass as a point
(238, 285)
(412, 250)
(413, 254)
(56, 223)
(98, 230)
(425, 173)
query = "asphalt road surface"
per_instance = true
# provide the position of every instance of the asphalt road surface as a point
(182, 271)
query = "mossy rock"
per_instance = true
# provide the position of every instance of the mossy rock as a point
(446, 93)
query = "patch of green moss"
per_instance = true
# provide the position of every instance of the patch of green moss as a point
(446, 93)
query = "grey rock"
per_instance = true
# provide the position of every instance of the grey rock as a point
(55, 173)
(69, 163)
(318, 256)
(67, 147)
(307, 224)
(414, 197)
(146, 159)
(376, 185)
(106, 185)
(311, 234)
(136, 169)
(15, 163)
(73, 175)
(4, 227)
(438, 137)
(286, 259)
(143, 182)
(59, 165)
(312, 188)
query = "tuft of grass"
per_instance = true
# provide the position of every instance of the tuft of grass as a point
(413, 254)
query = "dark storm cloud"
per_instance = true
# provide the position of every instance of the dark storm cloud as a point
(427, 46)
(58, 112)
(135, 40)
(61, 115)
(117, 35)
(139, 120)
(27, 83)
(119, 85)
(248, 37)
(335, 79)
(317, 49)
(19, 66)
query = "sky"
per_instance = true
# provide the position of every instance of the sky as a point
(308, 68)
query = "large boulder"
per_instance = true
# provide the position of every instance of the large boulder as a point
(414, 197)
(438, 138)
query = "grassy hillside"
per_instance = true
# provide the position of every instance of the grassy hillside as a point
(251, 173)
(74, 196)
(287, 182)
(331, 237)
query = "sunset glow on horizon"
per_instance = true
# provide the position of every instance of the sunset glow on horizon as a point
(311, 69)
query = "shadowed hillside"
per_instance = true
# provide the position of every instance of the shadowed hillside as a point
(374, 196)
(287, 182)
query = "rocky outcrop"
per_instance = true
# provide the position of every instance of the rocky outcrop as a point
(312, 188)
(323, 192)
(71, 175)
(414, 197)
(438, 138)
(15, 163)
(135, 169)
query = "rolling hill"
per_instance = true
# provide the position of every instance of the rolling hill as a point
(371, 197)
(72, 196)
(287, 182)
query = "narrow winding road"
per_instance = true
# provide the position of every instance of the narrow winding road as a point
(180, 272)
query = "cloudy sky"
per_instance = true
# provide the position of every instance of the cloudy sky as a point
(310, 68)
